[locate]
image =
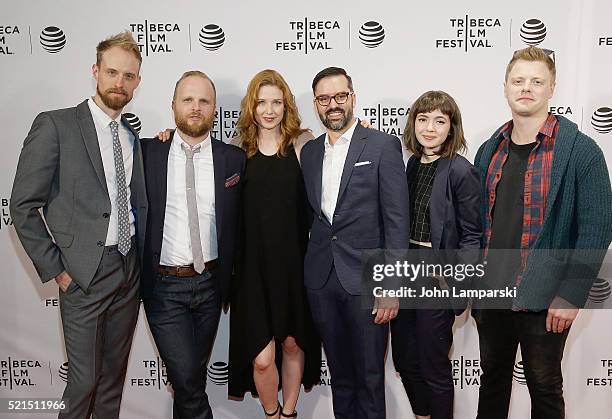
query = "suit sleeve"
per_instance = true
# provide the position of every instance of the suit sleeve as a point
(393, 195)
(467, 197)
(36, 169)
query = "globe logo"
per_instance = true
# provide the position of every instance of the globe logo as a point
(218, 373)
(371, 34)
(519, 373)
(134, 121)
(602, 120)
(600, 291)
(63, 372)
(52, 39)
(533, 32)
(212, 37)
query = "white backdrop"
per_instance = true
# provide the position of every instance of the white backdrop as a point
(46, 53)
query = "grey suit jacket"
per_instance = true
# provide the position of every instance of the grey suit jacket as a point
(60, 171)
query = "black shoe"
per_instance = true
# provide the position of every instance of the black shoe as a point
(278, 407)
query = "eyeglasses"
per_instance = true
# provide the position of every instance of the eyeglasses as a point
(548, 52)
(339, 98)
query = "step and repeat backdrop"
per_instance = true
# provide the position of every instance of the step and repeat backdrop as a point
(394, 50)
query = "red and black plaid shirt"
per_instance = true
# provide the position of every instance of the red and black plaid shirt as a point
(537, 183)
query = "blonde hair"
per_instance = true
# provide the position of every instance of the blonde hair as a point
(247, 127)
(123, 40)
(194, 73)
(532, 54)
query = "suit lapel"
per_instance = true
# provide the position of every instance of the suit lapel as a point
(219, 169)
(160, 167)
(355, 149)
(318, 172)
(90, 138)
(438, 203)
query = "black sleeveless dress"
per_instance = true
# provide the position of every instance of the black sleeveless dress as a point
(268, 295)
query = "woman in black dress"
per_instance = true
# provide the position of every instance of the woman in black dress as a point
(271, 329)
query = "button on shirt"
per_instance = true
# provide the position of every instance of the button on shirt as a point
(176, 245)
(333, 166)
(105, 142)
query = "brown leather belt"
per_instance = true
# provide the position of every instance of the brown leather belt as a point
(185, 271)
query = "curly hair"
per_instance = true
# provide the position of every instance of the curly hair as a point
(247, 127)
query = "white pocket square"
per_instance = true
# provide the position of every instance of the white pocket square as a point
(362, 163)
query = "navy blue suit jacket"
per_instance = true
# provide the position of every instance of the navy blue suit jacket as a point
(455, 221)
(371, 211)
(228, 160)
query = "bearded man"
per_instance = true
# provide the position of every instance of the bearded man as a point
(82, 167)
(193, 184)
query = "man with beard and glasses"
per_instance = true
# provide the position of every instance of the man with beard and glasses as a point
(193, 184)
(83, 167)
(358, 195)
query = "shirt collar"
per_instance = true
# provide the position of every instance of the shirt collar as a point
(546, 130)
(344, 138)
(101, 119)
(177, 145)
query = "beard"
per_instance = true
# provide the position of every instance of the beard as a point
(115, 103)
(339, 124)
(194, 129)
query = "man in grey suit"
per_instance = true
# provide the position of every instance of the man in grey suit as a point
(83, 167)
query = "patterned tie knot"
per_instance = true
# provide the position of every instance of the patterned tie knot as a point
(114, 126)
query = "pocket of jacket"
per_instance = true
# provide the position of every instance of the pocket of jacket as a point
(62, 239)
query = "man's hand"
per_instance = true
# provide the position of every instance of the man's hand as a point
(63, 280)
(164, 136)
(561, 315)
(385, 309)
(365, 123)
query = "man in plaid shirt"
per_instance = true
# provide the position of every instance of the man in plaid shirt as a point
(546, 192)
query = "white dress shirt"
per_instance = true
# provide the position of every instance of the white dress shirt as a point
(333, 165)
(176, 244)
(105, 142)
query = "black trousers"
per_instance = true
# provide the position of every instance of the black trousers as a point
(355, 349)
(500, 332)
(421, 340)
(183, 314)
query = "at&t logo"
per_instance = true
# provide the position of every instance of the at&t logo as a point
(533, 32)
(371, 34)
(218, 373)
(134, 121)
(63, 372)
(519, 373)
(602, 120)
(212, 37)
(52, 39)
(600, 291)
